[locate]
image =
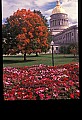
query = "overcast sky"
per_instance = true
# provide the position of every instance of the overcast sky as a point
(45, 6)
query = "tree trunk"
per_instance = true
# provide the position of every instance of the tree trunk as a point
(36, 54)
(25, 56)
(74, 55)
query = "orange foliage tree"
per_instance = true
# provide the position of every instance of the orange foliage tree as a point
(73, 51)
(29, 32)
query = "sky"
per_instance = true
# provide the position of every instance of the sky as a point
(45, 6)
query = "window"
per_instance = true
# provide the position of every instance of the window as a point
(72, 34)
(56, 48)
(68, 36)
(59, 22)
(62, 21)
(63, 37)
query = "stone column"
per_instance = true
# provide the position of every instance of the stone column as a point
(56, 22)
(65, 22)
(62, 21)
(53, 22)
(59, 22)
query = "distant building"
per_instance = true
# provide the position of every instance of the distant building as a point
(62, 34)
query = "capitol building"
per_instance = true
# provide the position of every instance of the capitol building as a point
(62, 34)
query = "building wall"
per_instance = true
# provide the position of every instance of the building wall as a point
(55, 47)
(67, 36)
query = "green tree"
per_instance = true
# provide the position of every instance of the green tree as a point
(63, 49)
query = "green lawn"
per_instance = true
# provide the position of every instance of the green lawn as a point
(46, 59)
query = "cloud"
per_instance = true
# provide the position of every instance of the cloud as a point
(43, 2)
(45, 6)
(9, 6)
(49, 12)
(71, 8)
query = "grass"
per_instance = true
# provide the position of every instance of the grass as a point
(14, 61)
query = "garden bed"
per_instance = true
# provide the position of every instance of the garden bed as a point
(41, 82)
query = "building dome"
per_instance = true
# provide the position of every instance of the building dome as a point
(58, 9)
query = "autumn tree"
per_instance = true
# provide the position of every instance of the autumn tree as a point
(42, 16)
(73, 48)
(26, 32)
(44, 48)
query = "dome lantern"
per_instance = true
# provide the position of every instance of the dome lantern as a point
(57, 3)
(58, 8)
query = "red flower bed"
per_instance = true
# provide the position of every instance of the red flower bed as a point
(41, 82)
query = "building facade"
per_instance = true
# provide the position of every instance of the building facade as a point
(61, 33)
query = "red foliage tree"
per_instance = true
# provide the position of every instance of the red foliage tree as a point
(73, 51)
(31, 35)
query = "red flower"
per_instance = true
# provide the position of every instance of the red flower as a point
(77, 92)
(41, 96)
(48, 97)
(65, 78)
(47, 82)
(72, 96)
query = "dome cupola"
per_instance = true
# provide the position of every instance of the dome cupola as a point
(58, 8)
